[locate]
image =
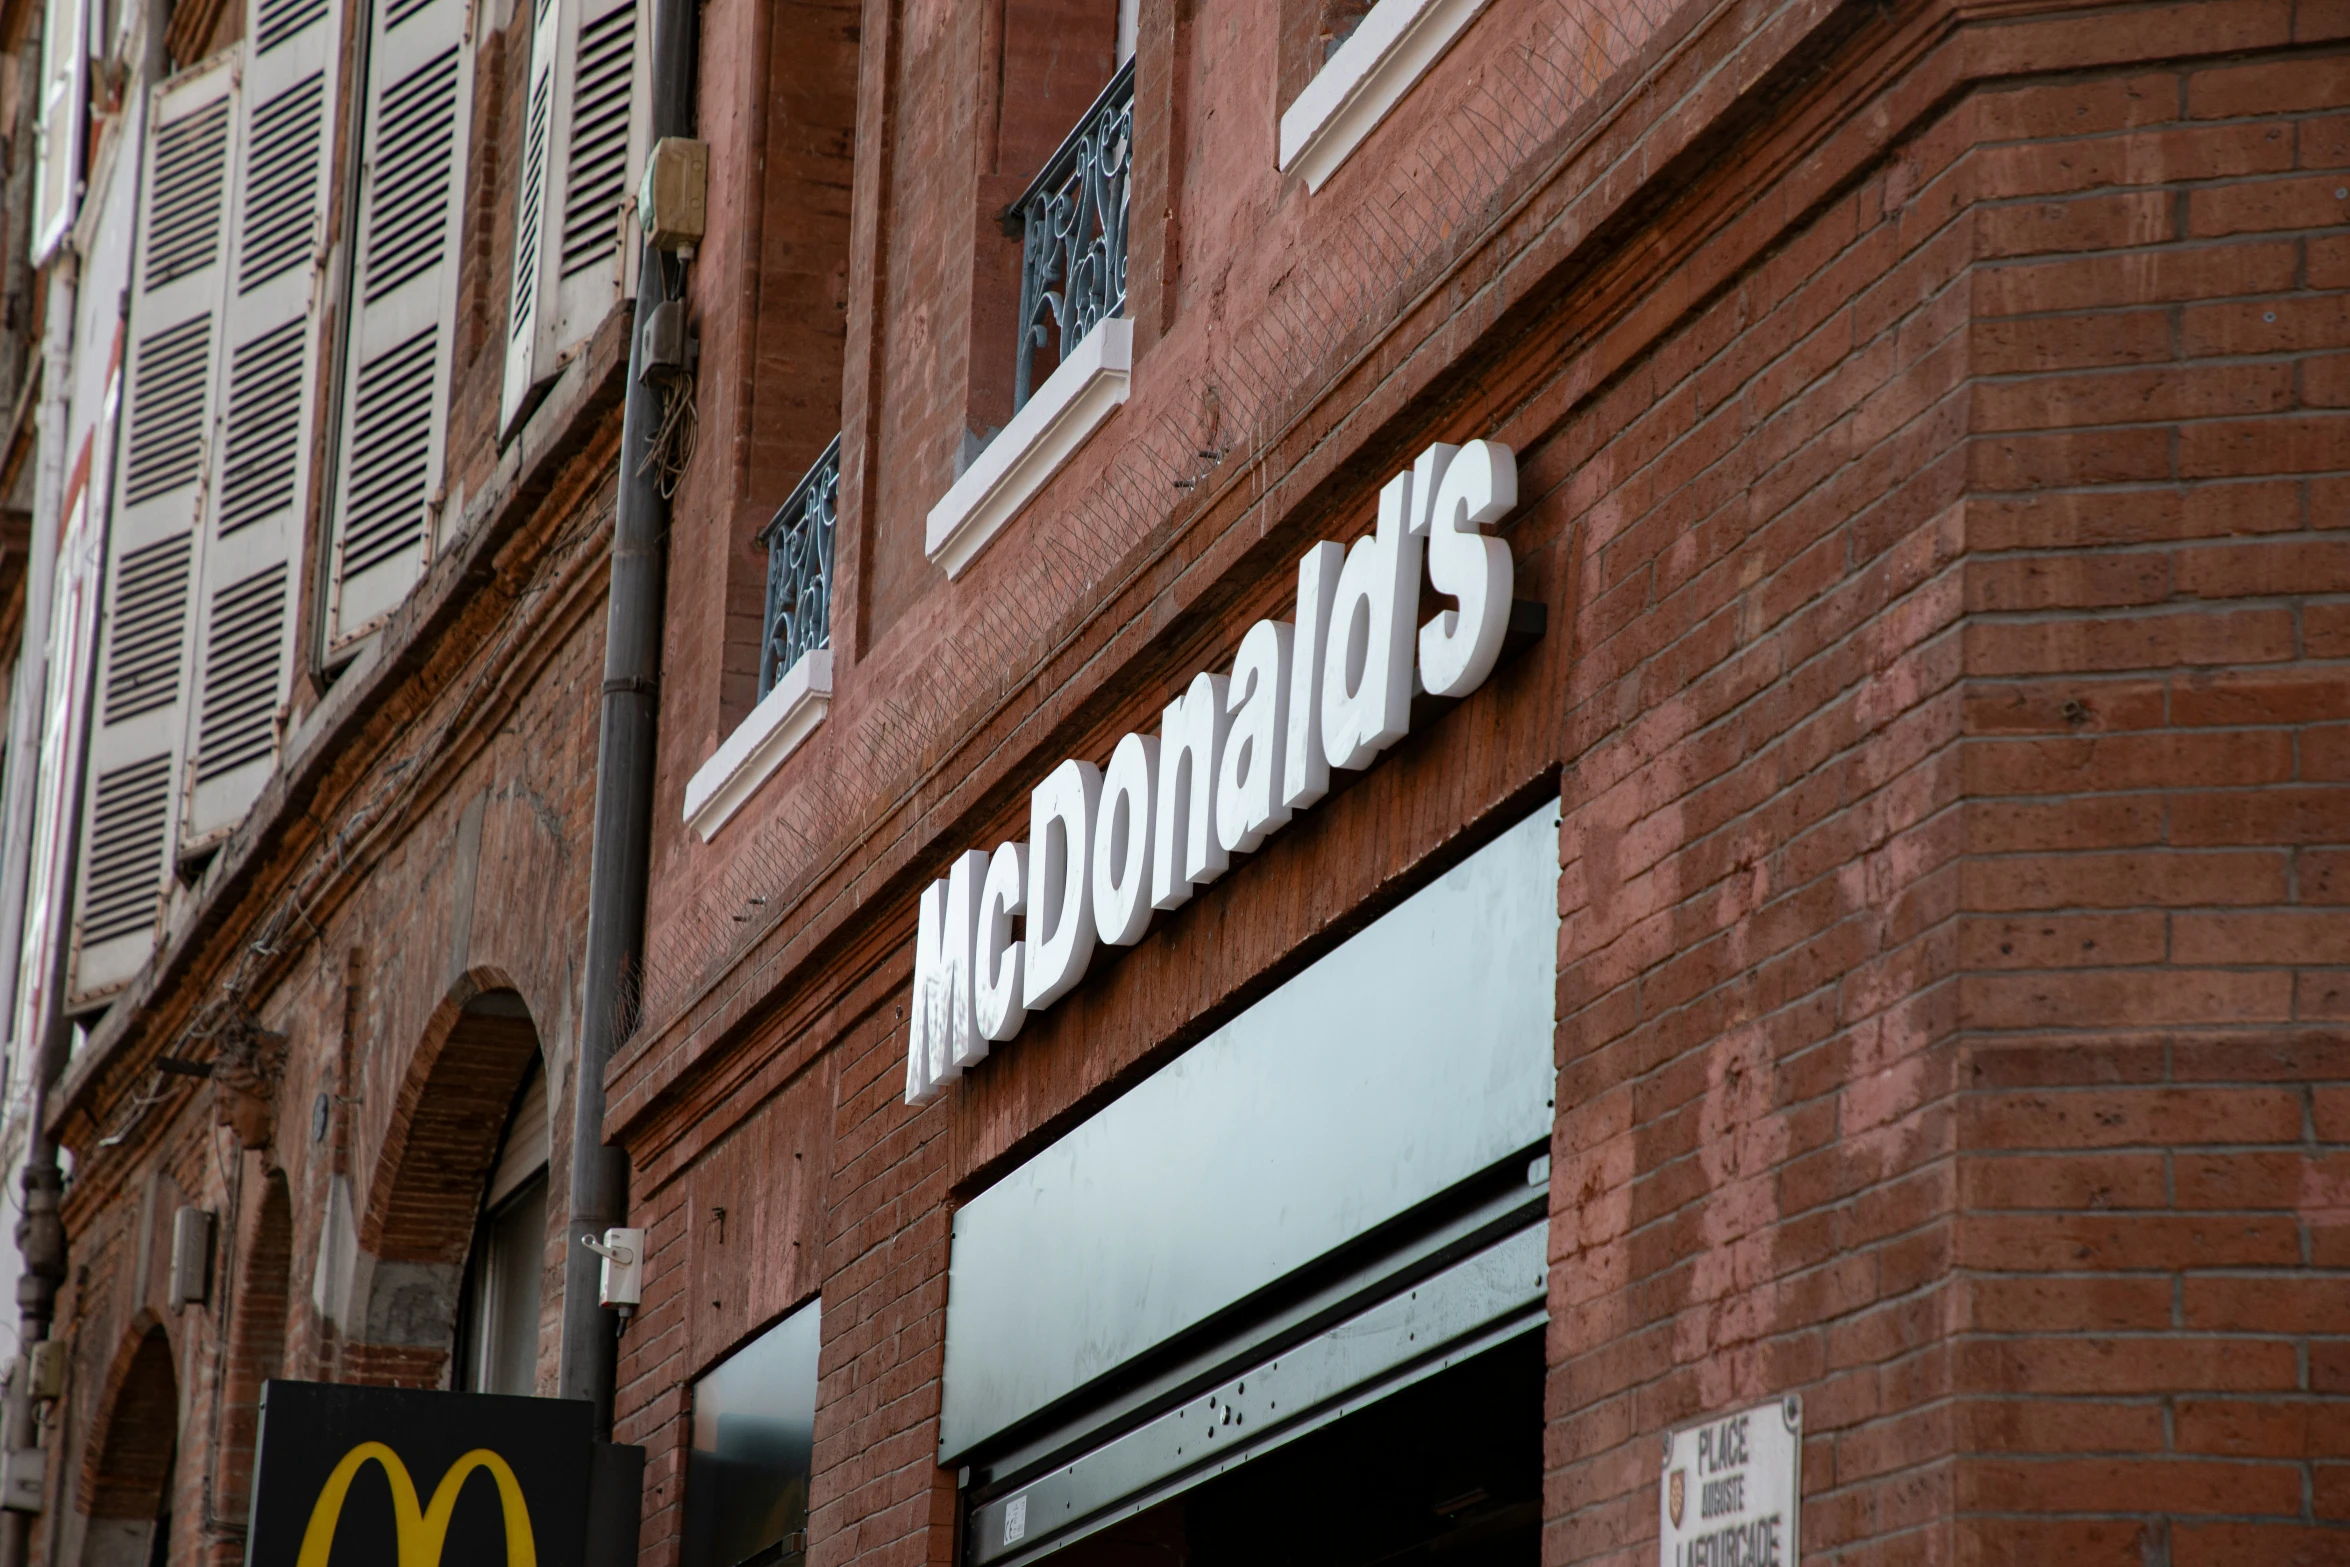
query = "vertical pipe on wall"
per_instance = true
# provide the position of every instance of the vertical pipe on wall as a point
(624, 786)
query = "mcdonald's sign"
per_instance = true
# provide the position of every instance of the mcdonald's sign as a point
(388, 1477)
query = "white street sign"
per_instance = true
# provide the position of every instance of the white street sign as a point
(1731, 1489)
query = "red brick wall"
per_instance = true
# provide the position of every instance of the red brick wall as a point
(257, 1349)
(879, 1493)
(1931, 488)
(2152, 1231)
(1949, 1033)
(732, 1247)
(1753, 1161)
(502, 729)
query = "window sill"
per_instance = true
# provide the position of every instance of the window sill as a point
(746, 759)
(1080, 393)
(1381, 61)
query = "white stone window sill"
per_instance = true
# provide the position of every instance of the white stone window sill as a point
(1388, 53)
(1081, 392)
(746, 759)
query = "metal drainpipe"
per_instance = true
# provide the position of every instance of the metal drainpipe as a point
(624, 788)
(40, 1236)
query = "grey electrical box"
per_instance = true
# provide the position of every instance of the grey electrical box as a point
(47, 1364)
(665, 352)
(672, 204)
(191, 1258)
(22, 1472)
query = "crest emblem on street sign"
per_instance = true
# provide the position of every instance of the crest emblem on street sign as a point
(1677, 1494)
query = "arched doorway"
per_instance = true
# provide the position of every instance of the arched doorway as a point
(129, 1484)
(459, 1116)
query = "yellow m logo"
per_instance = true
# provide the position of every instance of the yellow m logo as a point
(420, 1531)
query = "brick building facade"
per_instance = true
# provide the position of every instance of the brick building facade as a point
(336, 1041)
(1929, 459)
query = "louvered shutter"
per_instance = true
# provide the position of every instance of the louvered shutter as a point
(266, 385)
(525, 316)
(64, 117)
(124, 860)
(608, 117)
(403, 309)
(73, 618)
(587, 124)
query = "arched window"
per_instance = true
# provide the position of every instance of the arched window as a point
(128, 1487)
(498, 1316)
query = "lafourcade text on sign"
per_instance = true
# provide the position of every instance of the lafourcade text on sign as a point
(1235, 757)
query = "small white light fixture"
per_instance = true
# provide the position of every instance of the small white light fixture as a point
(622, 1282)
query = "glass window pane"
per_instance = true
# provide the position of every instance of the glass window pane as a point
(501, 1340)
(518, 1243)
(746, 1498)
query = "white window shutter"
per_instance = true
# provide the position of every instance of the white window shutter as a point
(71, 650)
(402, 310)
(132, 777)
(530, 348)
(592, 59)
(266, 387)
(608, 122)
(64, 118)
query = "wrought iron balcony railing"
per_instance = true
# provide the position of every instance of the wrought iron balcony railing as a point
(799, 570)
(1072, 228)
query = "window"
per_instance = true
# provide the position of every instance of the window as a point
(138, 722)
(259, 486)
(64, 110)
(202, 530)
(498, 1321)
(746, 1479)
(57, 766)
(402, 313)
(795, 653)
(1072, 353)
(1367, 61)
(585, 123)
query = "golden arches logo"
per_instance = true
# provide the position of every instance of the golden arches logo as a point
(420, 1531)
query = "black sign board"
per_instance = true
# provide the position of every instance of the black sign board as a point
(388, 1477)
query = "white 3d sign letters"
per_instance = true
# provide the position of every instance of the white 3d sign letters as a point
(1367, 665)
(943, 1035)
(1186, 850)
(1060, 883)
(1458, 648)
(1122, 839)
(1248, 783)
(1305, 772)
(1234, 758)
(998, 1007)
